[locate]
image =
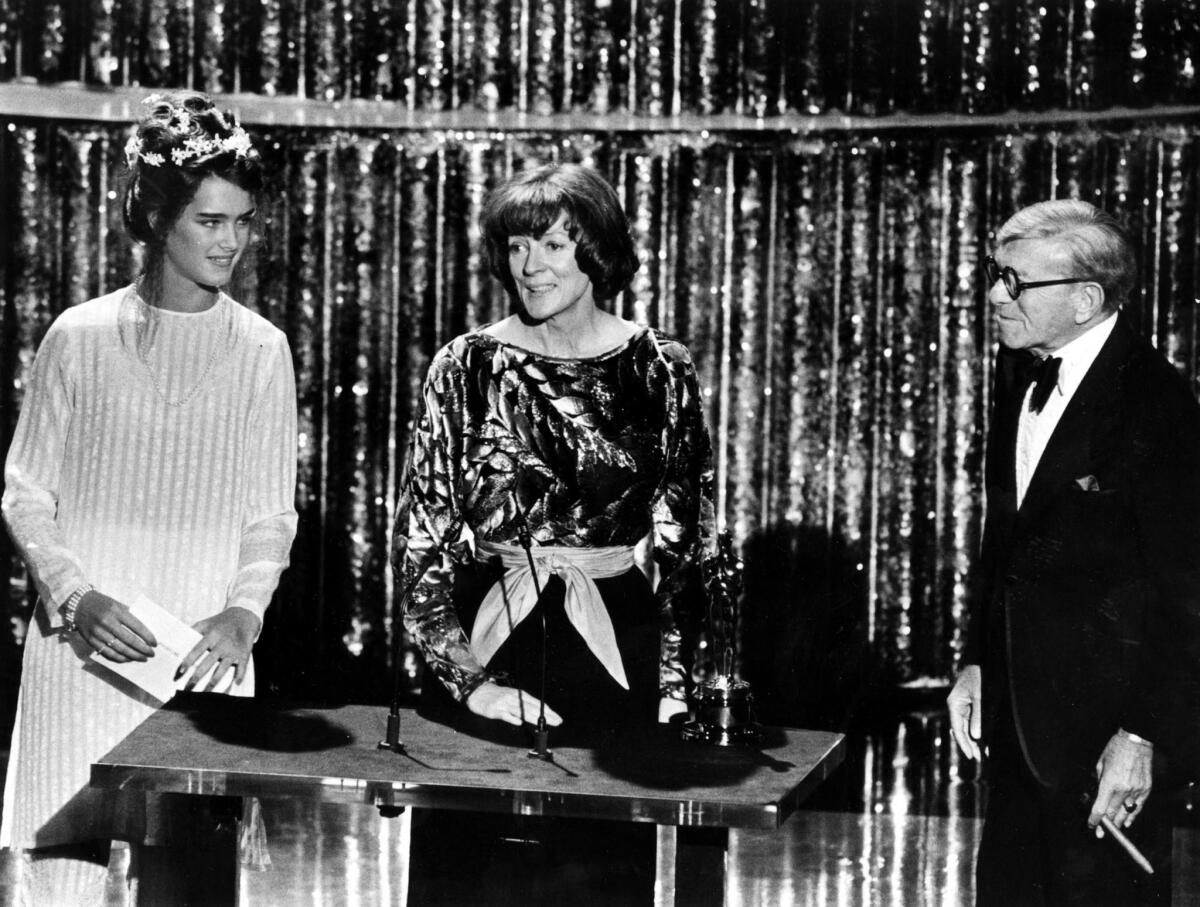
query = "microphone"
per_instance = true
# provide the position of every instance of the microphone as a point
(391, 739)
(541, 736)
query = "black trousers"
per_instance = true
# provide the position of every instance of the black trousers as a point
(500, 860)
(1037, 849)
(496, 860)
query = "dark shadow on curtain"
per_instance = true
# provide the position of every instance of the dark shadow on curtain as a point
(296, 657)
(804, 642)
(806, 652)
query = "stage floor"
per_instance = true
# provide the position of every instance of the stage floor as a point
(332, 854)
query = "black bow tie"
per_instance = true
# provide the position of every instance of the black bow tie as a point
(1043, 375)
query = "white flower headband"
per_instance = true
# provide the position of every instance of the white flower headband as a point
(181, 123)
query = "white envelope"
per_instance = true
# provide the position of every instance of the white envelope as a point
(175, 639)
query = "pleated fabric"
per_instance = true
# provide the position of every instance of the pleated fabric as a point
(155, 455)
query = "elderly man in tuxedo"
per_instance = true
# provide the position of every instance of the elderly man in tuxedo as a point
(1079, 677)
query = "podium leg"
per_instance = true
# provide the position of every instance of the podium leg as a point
(690, 866)
(194, 860)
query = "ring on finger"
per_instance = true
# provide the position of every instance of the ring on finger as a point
(1130, 805)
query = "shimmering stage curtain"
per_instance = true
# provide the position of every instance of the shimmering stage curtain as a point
(827, 286)
(815, 248)
(760, 58)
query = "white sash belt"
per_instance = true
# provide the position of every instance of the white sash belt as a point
(513, 596)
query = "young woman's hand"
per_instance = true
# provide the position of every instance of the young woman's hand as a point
(228, 638)
(111, 629)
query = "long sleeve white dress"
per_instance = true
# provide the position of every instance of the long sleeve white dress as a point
(155, 454)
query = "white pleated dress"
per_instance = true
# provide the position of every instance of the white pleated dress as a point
(164, 467)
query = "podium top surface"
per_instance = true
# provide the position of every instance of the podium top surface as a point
(221, 745)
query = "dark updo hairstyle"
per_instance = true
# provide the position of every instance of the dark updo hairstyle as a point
(182, 140)
(530, 203)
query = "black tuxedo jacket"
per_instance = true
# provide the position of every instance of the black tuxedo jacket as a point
(1088, 613)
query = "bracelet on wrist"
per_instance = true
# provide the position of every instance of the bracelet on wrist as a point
(67, 611)
(1134, 738)
(474, 683)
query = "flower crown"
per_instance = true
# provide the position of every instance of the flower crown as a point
(181, 123)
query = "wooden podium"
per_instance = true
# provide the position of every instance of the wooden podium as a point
(219, 746)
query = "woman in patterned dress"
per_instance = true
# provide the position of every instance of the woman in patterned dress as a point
(154, 457)
(582, 429)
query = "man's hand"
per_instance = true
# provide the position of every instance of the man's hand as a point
(1125, 782)
(966, 715)
(509, 704)
(228, 637)
(111, 629)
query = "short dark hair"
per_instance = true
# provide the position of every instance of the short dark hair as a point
(530, 203)
(182, 140)
(1099, 246)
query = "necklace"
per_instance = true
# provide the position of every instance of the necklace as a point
(146, 315)
(186, 398)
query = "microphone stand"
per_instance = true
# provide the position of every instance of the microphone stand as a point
(391, 740)
(541, 736)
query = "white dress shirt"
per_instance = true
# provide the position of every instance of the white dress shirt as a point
(1034, 429)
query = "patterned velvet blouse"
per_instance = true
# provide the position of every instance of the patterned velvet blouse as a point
(601, 451)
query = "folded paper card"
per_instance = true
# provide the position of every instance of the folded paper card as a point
(175, 640)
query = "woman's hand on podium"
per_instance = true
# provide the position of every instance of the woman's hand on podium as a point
(509, 704)
(668, 707)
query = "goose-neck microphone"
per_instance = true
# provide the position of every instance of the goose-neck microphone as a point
(541, 736)
(391, 740)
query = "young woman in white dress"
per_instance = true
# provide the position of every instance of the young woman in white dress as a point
(154, 457)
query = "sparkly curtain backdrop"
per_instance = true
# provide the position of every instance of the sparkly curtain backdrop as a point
(811, 183)
(827, 287)
(760, 58)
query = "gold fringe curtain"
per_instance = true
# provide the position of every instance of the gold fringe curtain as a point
(759, 58)
(827, 285)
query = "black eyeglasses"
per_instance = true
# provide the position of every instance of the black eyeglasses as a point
(1014, 285)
